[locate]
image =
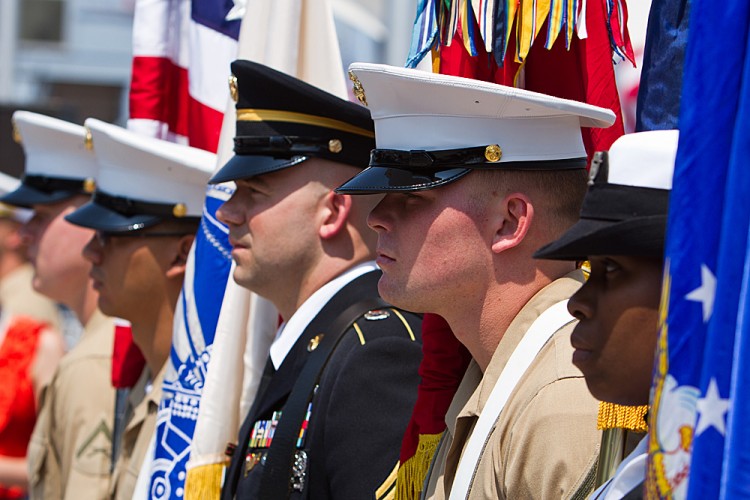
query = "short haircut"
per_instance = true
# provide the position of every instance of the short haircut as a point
(556, 194)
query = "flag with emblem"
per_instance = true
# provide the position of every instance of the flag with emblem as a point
(182, 51)
(698, 439)
(298, 38)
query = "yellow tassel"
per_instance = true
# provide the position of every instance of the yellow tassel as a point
(204, 482)
(411, 474)
(613, 416)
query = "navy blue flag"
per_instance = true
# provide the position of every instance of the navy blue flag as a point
(663, 58)
(691, 444)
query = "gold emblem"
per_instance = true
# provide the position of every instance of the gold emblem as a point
(179, 210)
(335, 146)
(359, 92)
(88, 140)
(377, 314)
(314, 342)
(493, 153)
(16, 132)
(89, 185)
(233, 91)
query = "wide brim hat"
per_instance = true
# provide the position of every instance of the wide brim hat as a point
(283, 121)
(433, 129)
(625, 209)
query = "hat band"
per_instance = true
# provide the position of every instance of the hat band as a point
(475, 157)
(130, 206)
(51, 184)
(273, 115)
(615, 202)
(281, 145)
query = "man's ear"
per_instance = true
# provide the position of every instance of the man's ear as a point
(514, 216)
(179, 260)
(337, 208)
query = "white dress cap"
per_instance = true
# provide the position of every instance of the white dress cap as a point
(643, 159)
(54, 148)
(150, 170)
(417, 110)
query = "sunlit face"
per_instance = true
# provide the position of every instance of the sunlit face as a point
(615, 338)
(272, 228)
(433, 247)
(129, 271)
(55, 245)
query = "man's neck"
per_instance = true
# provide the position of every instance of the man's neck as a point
(152, 333)
(10, 262)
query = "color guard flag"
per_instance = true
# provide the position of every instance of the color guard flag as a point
(698, 444)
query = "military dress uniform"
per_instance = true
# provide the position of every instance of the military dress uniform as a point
(348, 445)
(69, 452)
(18, 298)
(327, 420)
(71, 447)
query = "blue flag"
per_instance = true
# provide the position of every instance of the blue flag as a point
(707, 244)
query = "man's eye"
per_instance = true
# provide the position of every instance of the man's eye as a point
(611, 266)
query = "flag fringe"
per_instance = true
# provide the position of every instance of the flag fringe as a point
(411, 474)
(614, 416)
(204, 482)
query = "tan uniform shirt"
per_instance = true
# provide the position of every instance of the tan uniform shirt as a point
(18, 298)
(142, 409)
(70, 449)
(545, 440)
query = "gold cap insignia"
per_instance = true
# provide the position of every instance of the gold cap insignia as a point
(359, 92)
(88, 140)
(335, 146)
(493, 153)
(233, 91)
(314, 342)
(89, 185)
(377, 314)
(179, 210)
(16, 132)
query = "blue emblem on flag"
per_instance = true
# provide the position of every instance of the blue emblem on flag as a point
(698, 439)
(198, 307)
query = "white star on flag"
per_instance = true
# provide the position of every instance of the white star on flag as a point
(705, 293)
(711, 410)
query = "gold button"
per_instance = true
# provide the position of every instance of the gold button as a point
(179, 210)
(493, 153)
(314, 342)
(335, 146)
(88, 140)
(89, 185)
(233, 90)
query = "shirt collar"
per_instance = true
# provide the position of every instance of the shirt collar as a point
(290, 332)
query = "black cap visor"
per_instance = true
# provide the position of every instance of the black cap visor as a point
(246, 166)
(26, 196)
(95, 216)
(398, 180)
(637, 237)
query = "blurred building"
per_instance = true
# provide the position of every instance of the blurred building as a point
(71, 58)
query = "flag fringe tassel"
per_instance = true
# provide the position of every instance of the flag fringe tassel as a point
(411, 474)
(613, 416)
(204, 482)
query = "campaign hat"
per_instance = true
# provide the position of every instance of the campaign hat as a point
(283, 121)
(625, 208)
(142, 181)
(59, 161)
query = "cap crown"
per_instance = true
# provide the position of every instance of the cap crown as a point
(643, 159)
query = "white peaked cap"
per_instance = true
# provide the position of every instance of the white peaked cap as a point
(151, 170)
(53, 147)
(8, 183)
(644, 159)
(415, 109)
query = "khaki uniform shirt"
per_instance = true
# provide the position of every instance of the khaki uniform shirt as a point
(18, 298)
(70, 449)
(142, 409)
(545, 441)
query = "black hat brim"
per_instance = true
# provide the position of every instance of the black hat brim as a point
(95, 216)
(398, 180)
(247, 166)
(26, 196)
(637, 237)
